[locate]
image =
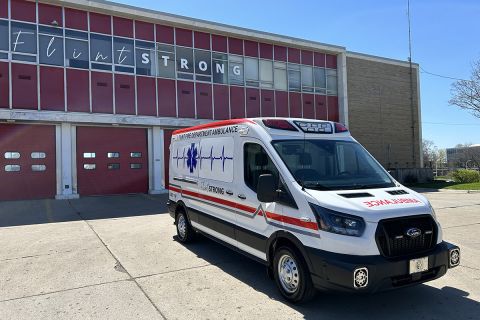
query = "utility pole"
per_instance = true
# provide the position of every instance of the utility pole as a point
(412, 107)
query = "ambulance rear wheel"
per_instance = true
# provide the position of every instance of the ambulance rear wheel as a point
(185, 233)
(292, 276)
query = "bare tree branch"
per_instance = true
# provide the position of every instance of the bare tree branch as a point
(466, 93)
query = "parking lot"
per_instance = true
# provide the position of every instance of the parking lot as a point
(117, 258)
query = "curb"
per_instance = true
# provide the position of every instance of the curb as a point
(444, 190)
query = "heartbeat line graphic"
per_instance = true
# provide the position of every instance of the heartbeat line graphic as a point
(191, 157)
(212, 158)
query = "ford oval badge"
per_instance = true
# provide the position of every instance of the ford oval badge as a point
(413, 232)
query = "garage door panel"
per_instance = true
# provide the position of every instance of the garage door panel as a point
(27, 162)
(111, 160)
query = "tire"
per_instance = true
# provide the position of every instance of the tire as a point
(292, 275)
(185, 232)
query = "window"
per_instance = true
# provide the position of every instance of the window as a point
(89, 166)
(257, 162)
(235, 70)
(220, 68)
(307, 79)
(101, 51)
(280, 75)
(12, 155)
(76, 49)
(293, 77)
(320, 80)
(113, 155)
(266, 74)
(184, 58)
(145, 58)
(38, 155)
(251, 72)
(39, 167)
(113, 166)
(123, 50)
(166, 61)
(23, 38)
(4, 35)
(12, 168)
(135, 154)
(87, 155)
(135, 166)
(331, 164)
(203, 65)
(50, 41)
(331, 81)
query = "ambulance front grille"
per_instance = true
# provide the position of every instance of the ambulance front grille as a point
(393, 239)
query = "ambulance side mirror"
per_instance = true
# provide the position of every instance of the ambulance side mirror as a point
(266, 188)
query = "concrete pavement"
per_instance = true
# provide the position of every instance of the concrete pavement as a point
(117, 258)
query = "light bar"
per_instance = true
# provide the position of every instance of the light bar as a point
(314, 127)
(279, 124)
(340, 128)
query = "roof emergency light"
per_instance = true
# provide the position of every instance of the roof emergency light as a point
(279, 124)
(314, 127)
(340, 128)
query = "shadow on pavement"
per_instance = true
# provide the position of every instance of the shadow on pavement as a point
(417, 302)
(27, 212)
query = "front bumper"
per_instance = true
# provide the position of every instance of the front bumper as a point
(332, 271)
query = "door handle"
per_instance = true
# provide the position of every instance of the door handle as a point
(242, 196)
(229, 192)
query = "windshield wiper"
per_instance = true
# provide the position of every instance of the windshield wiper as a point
(315, 185)
(361, 186)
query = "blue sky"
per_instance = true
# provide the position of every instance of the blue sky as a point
(444, 40)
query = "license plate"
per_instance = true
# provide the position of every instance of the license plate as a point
(418, 265)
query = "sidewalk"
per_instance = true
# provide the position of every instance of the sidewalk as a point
(15, 213)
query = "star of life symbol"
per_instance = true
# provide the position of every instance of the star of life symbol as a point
(192, 157)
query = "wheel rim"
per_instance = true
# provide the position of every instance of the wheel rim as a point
(288, 273)
(182, 226)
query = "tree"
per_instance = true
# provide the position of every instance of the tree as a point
(442, 157)
(430, 153)
(466, 93)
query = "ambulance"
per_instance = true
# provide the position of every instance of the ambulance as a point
(305, 199)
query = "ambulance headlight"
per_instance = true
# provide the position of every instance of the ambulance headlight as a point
(338, 222)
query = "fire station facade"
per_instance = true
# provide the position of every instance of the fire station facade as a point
(90, 92)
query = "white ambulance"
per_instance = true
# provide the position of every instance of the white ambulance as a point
(307, 200)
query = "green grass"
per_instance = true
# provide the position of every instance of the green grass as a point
(439, 184)
(465, 186)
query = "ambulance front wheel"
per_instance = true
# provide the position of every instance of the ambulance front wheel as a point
(185, 233)
(292, 276)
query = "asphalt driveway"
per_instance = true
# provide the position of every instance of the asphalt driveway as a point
(117, 258)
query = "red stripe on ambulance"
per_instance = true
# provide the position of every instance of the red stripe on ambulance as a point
(236, 205)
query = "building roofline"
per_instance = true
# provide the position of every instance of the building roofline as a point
(364, 56)
(154, 16)
(150, 15)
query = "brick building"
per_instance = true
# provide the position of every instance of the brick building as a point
(90, 92)
(464, 157)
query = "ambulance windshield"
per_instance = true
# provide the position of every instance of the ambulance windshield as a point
(331, 164)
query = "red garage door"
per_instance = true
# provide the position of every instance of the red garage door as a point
(111, 160)
(27, 162)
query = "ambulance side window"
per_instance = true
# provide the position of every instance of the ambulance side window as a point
(257, 162)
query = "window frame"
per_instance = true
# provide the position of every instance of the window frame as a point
(288, 199)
